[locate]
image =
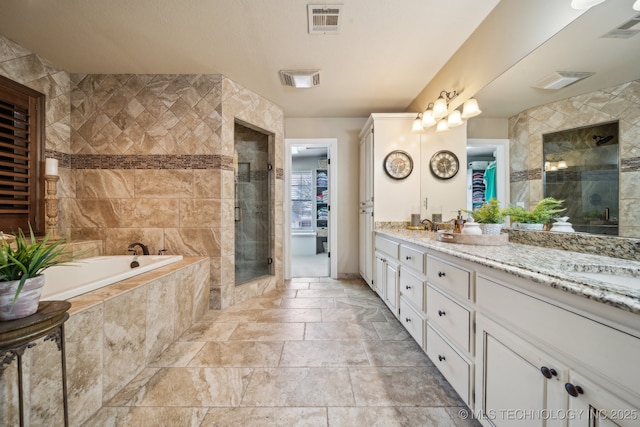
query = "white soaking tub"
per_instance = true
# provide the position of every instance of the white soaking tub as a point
(67, 281)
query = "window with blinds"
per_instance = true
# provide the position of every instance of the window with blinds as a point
(21, 151)
(302, 194)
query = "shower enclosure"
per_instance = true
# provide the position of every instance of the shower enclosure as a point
(252, 204)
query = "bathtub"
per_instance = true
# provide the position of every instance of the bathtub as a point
(67, 281)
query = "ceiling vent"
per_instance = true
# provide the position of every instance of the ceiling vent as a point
(560, 79)
(626, 30)
(324, 19)
(300, 78)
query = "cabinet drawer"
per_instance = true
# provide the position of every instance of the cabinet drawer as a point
(413, 258)
(448, 277)
(452, 366)
(412, 321)
(387, 246)
(412, 288)
(449, 317)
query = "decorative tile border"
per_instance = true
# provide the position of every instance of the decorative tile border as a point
(155, 161)
(528, 175)
(632, 164)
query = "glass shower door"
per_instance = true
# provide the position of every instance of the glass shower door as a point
(252, 205)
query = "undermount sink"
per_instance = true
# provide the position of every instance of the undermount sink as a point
(620, 276)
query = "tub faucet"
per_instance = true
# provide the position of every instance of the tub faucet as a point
(145, 249)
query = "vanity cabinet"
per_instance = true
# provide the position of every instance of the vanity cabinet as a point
(538, 355)
(387, 280)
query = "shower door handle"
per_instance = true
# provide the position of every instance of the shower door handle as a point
(238, 213)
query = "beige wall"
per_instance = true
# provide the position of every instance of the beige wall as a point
(616, 103)
(346, 131)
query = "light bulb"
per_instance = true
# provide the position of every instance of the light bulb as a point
(636, 5)
(470, 108)
(417, 125)
(439, 108)
(427, 119)
(562, 164)
(454, 119)
(442, 126)
(584, 4)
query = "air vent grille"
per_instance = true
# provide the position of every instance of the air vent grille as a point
(626, 30)
(300, 78)
(324, 19)
(560, 79)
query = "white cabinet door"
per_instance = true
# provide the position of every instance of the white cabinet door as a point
(593, 406)
(365, 224)
(392, 281)
(516, 383)
(366, 168)
(381, 271)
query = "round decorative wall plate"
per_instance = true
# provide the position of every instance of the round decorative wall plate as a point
(398, 164)
(444, 164)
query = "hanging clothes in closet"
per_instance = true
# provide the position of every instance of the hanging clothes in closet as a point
(490, 181)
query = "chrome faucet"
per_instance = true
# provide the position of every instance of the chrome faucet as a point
(430, 225)
(145, 249)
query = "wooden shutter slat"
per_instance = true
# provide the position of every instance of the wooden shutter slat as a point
(14, 147)
(14, 211)
(15, 174)
(21, 166)
(13, 155)
(23, 120)
(15, 138)
(14, 129)
(14, 183)
(13, 202)
(14, 192)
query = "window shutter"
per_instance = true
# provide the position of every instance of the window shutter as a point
(20, 158)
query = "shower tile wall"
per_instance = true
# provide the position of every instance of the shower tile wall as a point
(149, 158)
(617, 103)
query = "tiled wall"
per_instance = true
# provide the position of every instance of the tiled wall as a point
(149, 158)
(617, 103)
(153, 162)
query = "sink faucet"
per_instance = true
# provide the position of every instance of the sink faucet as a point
(145, 249)
(430, 225)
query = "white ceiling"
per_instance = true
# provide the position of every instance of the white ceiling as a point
(386, 53)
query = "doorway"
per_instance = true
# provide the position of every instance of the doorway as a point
(487, 171)
(309, 208)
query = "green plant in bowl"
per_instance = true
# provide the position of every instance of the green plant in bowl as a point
(489, 212)
(542, 213)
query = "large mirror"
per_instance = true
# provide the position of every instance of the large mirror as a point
(581, 168)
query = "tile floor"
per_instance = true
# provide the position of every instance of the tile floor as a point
(319, 353)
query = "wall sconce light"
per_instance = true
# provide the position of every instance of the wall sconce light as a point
(437, 113)
(417, 124)
(562, 164)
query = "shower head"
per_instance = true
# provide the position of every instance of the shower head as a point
(601, 140)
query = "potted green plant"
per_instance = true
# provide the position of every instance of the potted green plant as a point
(21, 265)
(536, 218)
(490, 216)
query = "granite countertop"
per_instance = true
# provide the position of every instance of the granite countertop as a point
(550, 267)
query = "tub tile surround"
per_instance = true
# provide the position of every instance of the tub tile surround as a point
(111, 336)
(616, 103)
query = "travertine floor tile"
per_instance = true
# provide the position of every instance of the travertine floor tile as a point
(275, 315)
(307, 303)
(323, 353)
(340, 331)
(321, 293)
(262, 417)
(148, 417)
(238, 354)
(194, 387)
(268, 332)
(352, 314)
(402, 386)
(207, 331)
(360, 302)
(397, 417)
(179, 354)
(396, 353)
(391, 331)
(231, 316)
(299, 387)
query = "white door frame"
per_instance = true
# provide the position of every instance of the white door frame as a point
(332, 145)
(503, 191)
